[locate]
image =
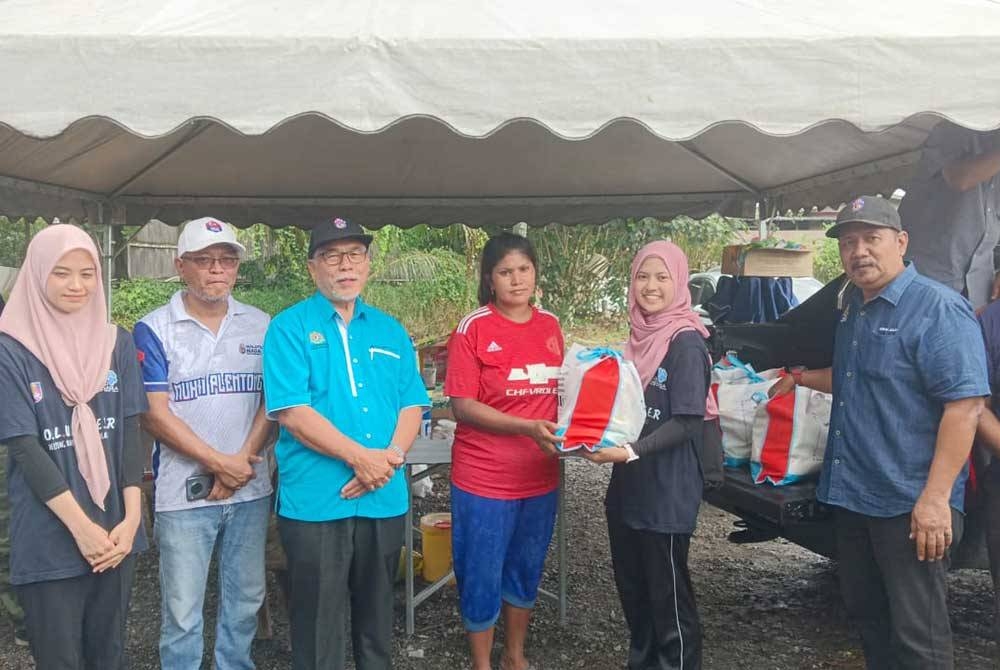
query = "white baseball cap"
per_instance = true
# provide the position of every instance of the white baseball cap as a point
(206, 231)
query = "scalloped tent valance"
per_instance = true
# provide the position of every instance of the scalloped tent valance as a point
(476, 111)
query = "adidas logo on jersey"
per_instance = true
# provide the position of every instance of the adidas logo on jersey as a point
(494, 347)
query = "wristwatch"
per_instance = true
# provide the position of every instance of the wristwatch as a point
(796, 373)
(394, 448)
(632, 456)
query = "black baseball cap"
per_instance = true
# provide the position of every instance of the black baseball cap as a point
(871, 209)
(333, 230)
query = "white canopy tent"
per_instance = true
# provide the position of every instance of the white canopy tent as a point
(476, 111)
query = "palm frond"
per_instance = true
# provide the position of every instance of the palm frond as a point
(414, 266)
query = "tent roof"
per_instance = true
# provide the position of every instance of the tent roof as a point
(476, 111)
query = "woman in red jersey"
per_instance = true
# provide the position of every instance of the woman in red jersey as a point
(503, 362)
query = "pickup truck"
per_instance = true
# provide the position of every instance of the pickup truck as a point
(802, 336)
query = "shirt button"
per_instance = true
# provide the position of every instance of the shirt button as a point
(837, 433)
(368, 436)
(354, 360)
(364, 409)
(360, 385)
(850, 374)
(853, 344)
(836, 461)
(862, 312)
(841, 403)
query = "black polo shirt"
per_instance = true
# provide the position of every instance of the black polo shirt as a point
(661, 492)
(42, 548)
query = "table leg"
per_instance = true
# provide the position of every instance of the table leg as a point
(561, 542)
(408, 535)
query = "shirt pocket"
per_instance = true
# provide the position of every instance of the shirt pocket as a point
(884, 355)
(385, 360)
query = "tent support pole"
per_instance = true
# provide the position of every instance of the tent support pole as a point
(694, 153)
(30, 186)
(107, 255)
(198, 129)
(883, 164)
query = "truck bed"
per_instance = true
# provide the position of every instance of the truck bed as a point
(769, 511)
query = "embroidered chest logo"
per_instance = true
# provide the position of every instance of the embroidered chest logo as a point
(494, 347)
(886, 330)
(251, 349)
(317, 338)
(111, 385)
(36, 392)
(660, 380)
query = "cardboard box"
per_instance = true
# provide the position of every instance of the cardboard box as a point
(740, 260)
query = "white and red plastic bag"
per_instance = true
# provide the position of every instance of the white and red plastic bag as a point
(601, 399)
(789, 436)
(738, 390)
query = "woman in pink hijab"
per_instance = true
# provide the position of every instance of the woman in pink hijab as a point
(656, 485)
(73, 395)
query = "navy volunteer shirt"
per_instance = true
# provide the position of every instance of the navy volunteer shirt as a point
(42, 548)
(661, 492)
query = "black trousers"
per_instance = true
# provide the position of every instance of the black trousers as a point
(898, 604)
(654, 585)
(335, 567)
(990, 483)
(79, 623)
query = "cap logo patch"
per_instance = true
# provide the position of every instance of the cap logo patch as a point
(213, 226)
(857, 204)
(339, 223)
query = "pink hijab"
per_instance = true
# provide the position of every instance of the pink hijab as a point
(75, 348)
(651, 334)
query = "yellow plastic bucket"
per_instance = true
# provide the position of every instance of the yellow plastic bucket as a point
(436, 531)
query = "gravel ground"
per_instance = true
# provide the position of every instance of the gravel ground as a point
(765, 606)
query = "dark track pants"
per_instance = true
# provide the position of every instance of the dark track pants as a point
(79, 623)
(654, 585)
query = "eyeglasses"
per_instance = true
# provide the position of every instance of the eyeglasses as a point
(354, 256)
(207, 262)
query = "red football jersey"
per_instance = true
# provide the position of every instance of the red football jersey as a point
(512, 367)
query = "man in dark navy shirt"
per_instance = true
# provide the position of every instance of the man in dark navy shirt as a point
(908, 381)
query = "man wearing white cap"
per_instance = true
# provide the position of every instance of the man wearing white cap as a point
(202, 365)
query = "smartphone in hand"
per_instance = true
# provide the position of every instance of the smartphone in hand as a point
(198, 487)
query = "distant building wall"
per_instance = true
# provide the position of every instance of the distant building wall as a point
(151, 251)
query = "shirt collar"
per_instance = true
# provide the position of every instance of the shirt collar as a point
(178, 312)
(327, 311)
(894, 291)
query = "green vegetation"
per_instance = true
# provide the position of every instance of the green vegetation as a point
(826, 260)
(14, 238)
(427, 277)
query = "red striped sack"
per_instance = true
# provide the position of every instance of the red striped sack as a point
(789, 436)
